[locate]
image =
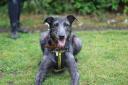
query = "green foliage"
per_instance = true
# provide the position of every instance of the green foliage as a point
(2, 2)
(126, 6)
(73, 6)
(126, 10)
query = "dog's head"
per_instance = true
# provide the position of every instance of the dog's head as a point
(60, 28)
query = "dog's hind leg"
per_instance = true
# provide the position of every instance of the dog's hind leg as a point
(77, 45)
(71, 64)
(43, 40)
(45, 64)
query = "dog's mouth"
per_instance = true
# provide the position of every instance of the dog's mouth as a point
(61, 41)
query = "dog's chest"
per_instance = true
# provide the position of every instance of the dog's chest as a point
(59, 58)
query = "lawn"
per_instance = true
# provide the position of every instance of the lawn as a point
(102, 61)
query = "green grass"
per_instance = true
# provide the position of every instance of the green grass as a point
(4, 21)
(102, 61)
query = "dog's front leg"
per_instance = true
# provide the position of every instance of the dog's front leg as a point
(42, 70)
(71, 63)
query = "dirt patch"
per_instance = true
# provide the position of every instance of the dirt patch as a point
(83, 28)
(11, 83)
(1, 75)
(91, 22)
(4, 30)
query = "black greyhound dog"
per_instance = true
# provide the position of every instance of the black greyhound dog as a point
(59, 46)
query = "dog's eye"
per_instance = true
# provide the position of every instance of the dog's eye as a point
(56, 24)
(66, 24)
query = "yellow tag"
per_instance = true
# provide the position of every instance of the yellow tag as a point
(59, 55)
(59, 59)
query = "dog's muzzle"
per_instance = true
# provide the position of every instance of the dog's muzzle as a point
(61, 41)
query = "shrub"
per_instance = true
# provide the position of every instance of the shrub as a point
(73, 6)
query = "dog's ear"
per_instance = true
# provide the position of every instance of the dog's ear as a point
(49, 20)
(71, 18)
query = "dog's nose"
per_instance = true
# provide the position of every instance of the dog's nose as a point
(61, 37)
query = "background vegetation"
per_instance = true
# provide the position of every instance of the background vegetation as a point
(73, 6)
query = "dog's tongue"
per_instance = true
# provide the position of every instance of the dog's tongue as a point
(61, 43)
